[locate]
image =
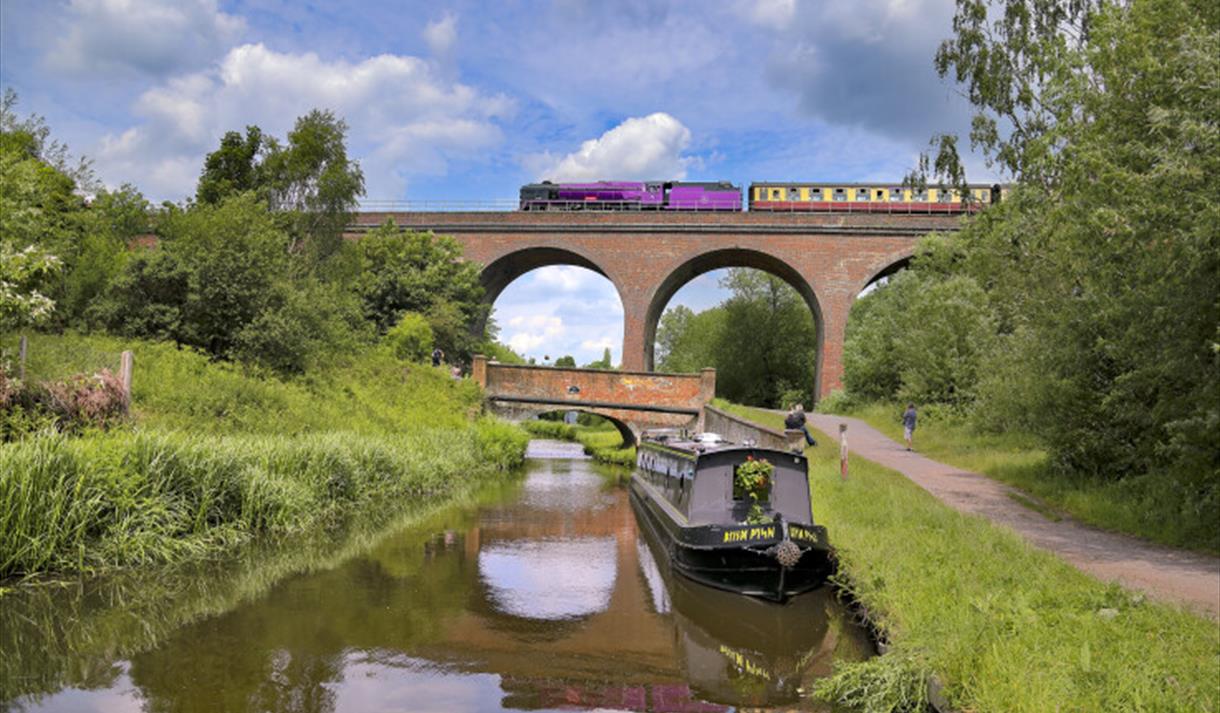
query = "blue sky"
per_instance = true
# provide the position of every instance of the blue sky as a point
(465, 101)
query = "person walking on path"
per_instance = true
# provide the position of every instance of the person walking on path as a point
(908, 425)
(795, 421)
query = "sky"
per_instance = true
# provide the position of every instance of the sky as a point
(467, 101)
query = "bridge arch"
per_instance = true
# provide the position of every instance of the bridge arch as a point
(718, 259)
(893, 266)
(630, 437)
(501, 272)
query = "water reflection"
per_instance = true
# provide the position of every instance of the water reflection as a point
(547, 599)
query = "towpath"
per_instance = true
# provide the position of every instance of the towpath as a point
(1163, 573)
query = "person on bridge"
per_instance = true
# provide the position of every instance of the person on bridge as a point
(795, 421)
(908, 425)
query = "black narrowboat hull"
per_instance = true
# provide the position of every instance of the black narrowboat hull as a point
(737, 558)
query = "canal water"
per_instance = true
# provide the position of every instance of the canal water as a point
(541, 594)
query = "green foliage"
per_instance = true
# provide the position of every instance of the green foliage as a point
(761, 340)
(232, 168)
(1002, 625)
(72, 504)
(1099, 269)
(893, 683)
(419, 272)
(22, 276)
(688, 341)
(603, 363)
(752, 480)
(566, 361)
(176, 388)
(308, 182)
(495, 351)
(411, 338)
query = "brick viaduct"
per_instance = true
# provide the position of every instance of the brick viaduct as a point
(827, 257)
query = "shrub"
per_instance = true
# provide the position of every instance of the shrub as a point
(411, 338)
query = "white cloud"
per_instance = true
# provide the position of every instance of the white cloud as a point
(404, 118)
(566, 278)
(534, 331)
(775, 14)
(441, 34)
(153, 37)
(648, 147)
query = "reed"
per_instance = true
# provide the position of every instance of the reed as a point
(124, 499)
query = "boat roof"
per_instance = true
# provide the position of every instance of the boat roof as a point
(695, 444)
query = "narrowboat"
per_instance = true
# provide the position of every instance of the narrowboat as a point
(732, 516)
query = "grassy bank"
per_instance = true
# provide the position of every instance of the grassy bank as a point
(602, 442)
(1004, 626)
(214, 456)
(1152, 506)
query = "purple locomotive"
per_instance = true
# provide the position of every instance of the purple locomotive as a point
(631, 195)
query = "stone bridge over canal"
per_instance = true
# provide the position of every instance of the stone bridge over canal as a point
(633, 400)
(829, 258)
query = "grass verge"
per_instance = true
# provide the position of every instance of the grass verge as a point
(1003, 625)
(1151, 506)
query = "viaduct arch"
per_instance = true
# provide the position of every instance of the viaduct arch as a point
(828, 257)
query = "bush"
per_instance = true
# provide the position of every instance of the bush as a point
(411, 338)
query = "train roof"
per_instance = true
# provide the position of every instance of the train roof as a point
(850, 184)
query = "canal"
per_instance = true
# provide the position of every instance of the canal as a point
(540, 594)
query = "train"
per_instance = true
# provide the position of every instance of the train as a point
(803, 197)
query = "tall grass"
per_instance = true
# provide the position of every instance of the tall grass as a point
(180, 389)
(1004, 626)
(1155, 506)
(125, 499)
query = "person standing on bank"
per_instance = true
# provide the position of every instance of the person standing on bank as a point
(437, 356)
(795, 421)
(908, 425)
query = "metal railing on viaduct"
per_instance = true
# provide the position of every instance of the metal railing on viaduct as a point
(829, 258)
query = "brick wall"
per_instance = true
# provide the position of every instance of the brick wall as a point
(828, 258)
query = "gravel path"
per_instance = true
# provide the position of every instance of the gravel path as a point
(1163, 573)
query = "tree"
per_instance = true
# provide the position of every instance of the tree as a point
(761, 340)
(309, 180)
(233, 168)
(603, 363)
(313, 179)
(567, 360)
(420, 272)
(22, 274)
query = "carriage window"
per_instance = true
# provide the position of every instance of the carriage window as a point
(840, 194)
(794, 194)
(895, 195)
(815, 194)
(921, 195)
(861, 194)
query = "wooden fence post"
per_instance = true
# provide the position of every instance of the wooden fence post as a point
(843, 451)
(21, 362)
(125, 366)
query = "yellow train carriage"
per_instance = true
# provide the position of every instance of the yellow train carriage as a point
(868, 197)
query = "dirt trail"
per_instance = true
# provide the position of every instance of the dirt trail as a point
(1163, 573)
